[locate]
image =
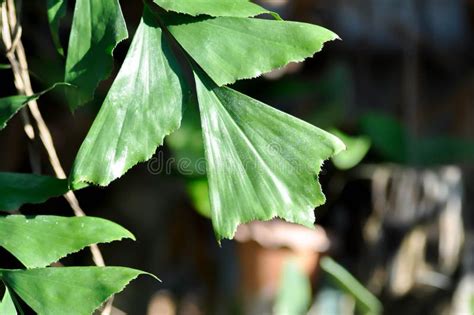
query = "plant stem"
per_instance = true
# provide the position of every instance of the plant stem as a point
(15, 52)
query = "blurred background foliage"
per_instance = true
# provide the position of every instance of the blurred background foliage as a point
(398, 89)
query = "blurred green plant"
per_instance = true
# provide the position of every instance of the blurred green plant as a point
(395, 143)
(366, 302)
(357, 149)
(472, 304)
(294, 294)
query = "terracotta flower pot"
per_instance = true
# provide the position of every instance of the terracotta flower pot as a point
(264, 248)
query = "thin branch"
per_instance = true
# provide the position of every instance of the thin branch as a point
(11, 36)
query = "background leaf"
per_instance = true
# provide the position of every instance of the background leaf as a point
(186, 143)
(198, 191)
(261, 163)
(219, 44)
(394, 142)
(7, 306)
(72, 291)
(144, 105)
(294, 294)
(237, 8)
(19, 189)
(357, 149)
(56, 11)
(366, 302)
(97, 28)
(42, 240)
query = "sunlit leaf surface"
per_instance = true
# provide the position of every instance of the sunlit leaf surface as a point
(72, 291)
(19, 189)
(261, 163)
(98, 26)
(42, 240)
(230, 48)
(237, 8)
(142, 107)
(7, 306)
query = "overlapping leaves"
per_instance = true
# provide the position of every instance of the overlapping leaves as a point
(142, 107)
(42, 240)
(97, 28)
(145, 102)
(73, 290)
(39, 241)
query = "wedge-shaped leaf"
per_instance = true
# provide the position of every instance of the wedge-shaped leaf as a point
(19, 189)
(261, 163)
(97, 28)
(142, 107)
(10, 105)
(72, 291)
(7, 306)
(237, 8)
(56, 11)
(230, 48)
(42, 240)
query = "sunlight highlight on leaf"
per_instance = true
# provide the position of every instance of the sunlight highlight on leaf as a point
(72, 291)
(229, 48)
(261, 163)
(143, 106)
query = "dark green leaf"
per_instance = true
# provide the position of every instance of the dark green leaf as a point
(357, 148)
(142, 107)
(261, 163)
(366, 302)
(237, 8)
(97, 28)
(19, 189)
(7, 306)
(10, 105)
(294, 294)
(56, 11)
(229, 48)
(71, 291)
(42, 240)
(5, 66)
